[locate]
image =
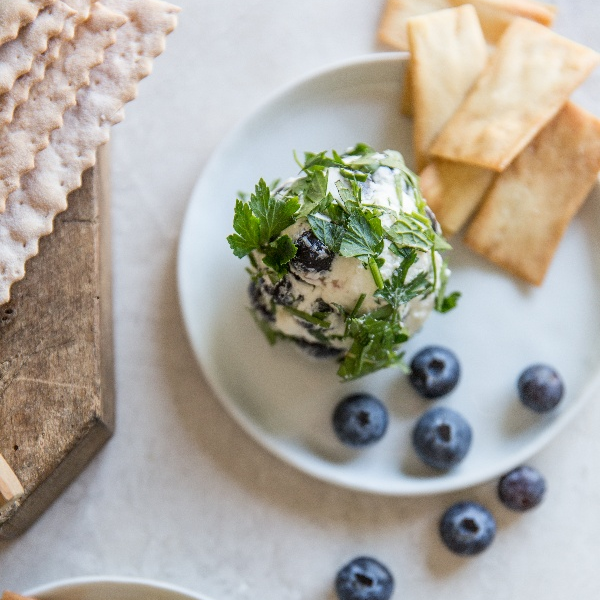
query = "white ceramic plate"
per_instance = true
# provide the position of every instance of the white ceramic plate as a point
(285, 400)
(111, 588)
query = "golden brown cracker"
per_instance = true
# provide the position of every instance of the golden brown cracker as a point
(530, 205)
(526, 82)
(448, 53)
(454, 191)
(392, 27)
(496, 15)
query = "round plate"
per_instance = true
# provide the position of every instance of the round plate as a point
(118, 588)
(285, 399)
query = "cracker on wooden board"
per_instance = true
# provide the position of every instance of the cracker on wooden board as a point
(447, 54)
(30, 210)
(454, 191)
(19, 92)
(29, 131)
(495, 16)
(15, 14)
(530, 205)
(17, 56)
(526, 82)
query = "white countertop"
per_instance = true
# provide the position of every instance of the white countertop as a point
(180, 493)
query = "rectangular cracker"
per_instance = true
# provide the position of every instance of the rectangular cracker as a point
(448, 53)
(392, 27)
(454, 191)
(496, 15)
(526, 82)
(19, 92)
(15, 14)
(30, 210)
(17, 56)
(29, 131)
(530, 205)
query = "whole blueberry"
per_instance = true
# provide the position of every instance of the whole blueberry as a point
(360, 420)
(467, 528)
(540, 388)
(434, 371)
(441, 438)
(364, 578)
(311, 254)
(522, 488)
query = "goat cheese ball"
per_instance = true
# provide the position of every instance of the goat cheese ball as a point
(344, 258)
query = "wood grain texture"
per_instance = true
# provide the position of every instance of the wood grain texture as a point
(56, 355)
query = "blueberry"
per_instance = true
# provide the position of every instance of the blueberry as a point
(540, 388)
(522, 488)
(312, 254)
(442, 438)
(360, 420)
(467, 528)
(434, 371)
(364, 578)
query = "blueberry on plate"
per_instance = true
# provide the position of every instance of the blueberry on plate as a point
(360, 420)
(441, 438)
(540, 388)
(522, 488)
(434, 371)
(364, 578)
(467, 528)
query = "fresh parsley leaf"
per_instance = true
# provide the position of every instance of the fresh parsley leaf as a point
(363, 237)
(279, 253)
(248, 230)
(375, 345)
(410, 232)
(274, 214)
(447, 302)
(326, 231)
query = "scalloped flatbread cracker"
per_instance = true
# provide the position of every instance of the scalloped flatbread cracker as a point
(448, 53)
(19, 92)
(31, 209)
(29, 131)
(15, 14)
(17, 56)
(526, 82)
(530, 205)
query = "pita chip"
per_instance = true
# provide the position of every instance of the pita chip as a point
(526, 82)
(530, 205)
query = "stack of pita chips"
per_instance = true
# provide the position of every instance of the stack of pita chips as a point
(67, 68)
(498, 144)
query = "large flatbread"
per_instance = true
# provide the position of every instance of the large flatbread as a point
(530, 205)
(17, 56)
(528, 79)
(15, 14)
(448, 53)
(30, 210)
(29, 131)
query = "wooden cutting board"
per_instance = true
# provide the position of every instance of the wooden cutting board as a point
(56, 356)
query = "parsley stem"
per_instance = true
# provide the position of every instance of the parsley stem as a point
(357, 306)
(307, 317)
(376, 273)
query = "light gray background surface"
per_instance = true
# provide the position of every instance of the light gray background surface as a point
(181, 494)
